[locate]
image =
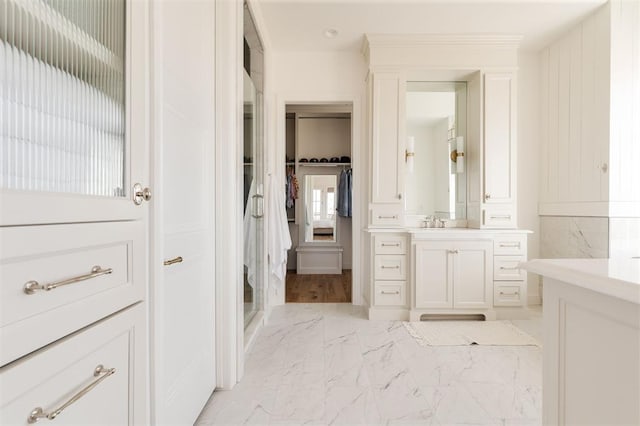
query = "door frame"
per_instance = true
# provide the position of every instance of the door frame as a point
(360, 190)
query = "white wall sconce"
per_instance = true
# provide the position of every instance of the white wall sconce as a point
(457, 155)
(409, 153)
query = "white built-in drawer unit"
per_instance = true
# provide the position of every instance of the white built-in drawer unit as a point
(391, 267)
(508, 244)
(59, 278)
(505, 268)
(390, 293)
(390, 270)
(507, 293)
(390, 244)
(499, 217)
(104, 365)
(386, 215)
(510, 282)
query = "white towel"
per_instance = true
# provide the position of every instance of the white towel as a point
(279, 238)
(250, 229)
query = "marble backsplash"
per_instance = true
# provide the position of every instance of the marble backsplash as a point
(574, 237)
(589, 237)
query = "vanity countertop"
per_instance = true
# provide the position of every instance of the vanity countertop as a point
(415, 230)
(618, 278)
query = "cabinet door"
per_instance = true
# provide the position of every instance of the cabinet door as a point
(473, 274)
(499, 138)
(74, 113)
(433, 275)
(387, 145)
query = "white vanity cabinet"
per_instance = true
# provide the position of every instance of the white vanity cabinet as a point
(389, 271)
(452, 275)
(499, 153)
(386, 103)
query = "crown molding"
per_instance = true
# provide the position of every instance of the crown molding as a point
(412, 40)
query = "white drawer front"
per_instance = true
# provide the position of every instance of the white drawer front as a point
(506, 244)
(499, 217)
(54, 375)
(390, 244)
(508, 294)
(386, 215)
(49, 255)
(390, 267)
(390, 293)
(505, 268)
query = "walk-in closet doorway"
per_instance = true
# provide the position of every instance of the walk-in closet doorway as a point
(319, 201)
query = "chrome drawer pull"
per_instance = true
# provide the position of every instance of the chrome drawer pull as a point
(33, 286)
(389, 267)
(38, 412)
(510, 245)
(390, 245)
(501, 216)
(174, 260)
(388, 217)
(389, 292)
(509, 268)
(453, 251)
(502, 293)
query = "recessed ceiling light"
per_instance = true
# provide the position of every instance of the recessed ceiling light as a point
(330, 33)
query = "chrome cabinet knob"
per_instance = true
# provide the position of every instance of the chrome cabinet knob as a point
(140, 195)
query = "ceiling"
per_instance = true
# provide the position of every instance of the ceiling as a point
(299, 25)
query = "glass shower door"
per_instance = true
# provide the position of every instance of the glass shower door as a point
(253, 201)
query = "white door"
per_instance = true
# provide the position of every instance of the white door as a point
(182, 249)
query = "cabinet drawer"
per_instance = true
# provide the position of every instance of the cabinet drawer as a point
(390, 293)
(499, 217)
(57, 262)
(508, 294)
(515, 244)
(390, 244)
(54, 375)
(505, 268)
(390, 267)
(386, 215)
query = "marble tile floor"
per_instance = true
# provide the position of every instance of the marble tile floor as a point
(326, 364)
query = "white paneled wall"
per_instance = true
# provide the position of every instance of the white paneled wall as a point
(574, 109)
(625, 104)
(590, 116)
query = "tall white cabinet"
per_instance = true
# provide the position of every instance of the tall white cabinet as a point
(462, 270)
(73, 216)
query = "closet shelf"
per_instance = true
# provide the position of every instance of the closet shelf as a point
(324, 164)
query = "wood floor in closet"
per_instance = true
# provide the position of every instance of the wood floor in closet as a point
(318, 288)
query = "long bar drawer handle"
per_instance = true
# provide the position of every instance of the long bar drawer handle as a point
(174, 260)
(388, 217)
(510, 245)
(100, 372)
(32, 286)
(390, 245)
(389, 267)
(501, 216)
(390, 292)
(502, 293)
(509, 268)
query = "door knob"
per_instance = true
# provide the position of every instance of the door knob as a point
(140, 195)
(487, 196)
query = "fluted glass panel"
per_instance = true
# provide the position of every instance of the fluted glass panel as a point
(62, 96)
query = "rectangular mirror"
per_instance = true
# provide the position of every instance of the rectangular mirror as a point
(320, 200)
(436, 177)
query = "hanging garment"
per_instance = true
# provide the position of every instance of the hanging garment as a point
(344, 194)
(278, 228)
(289, 191)
(250, 229)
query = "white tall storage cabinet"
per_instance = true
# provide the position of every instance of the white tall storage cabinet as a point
(73, 243)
